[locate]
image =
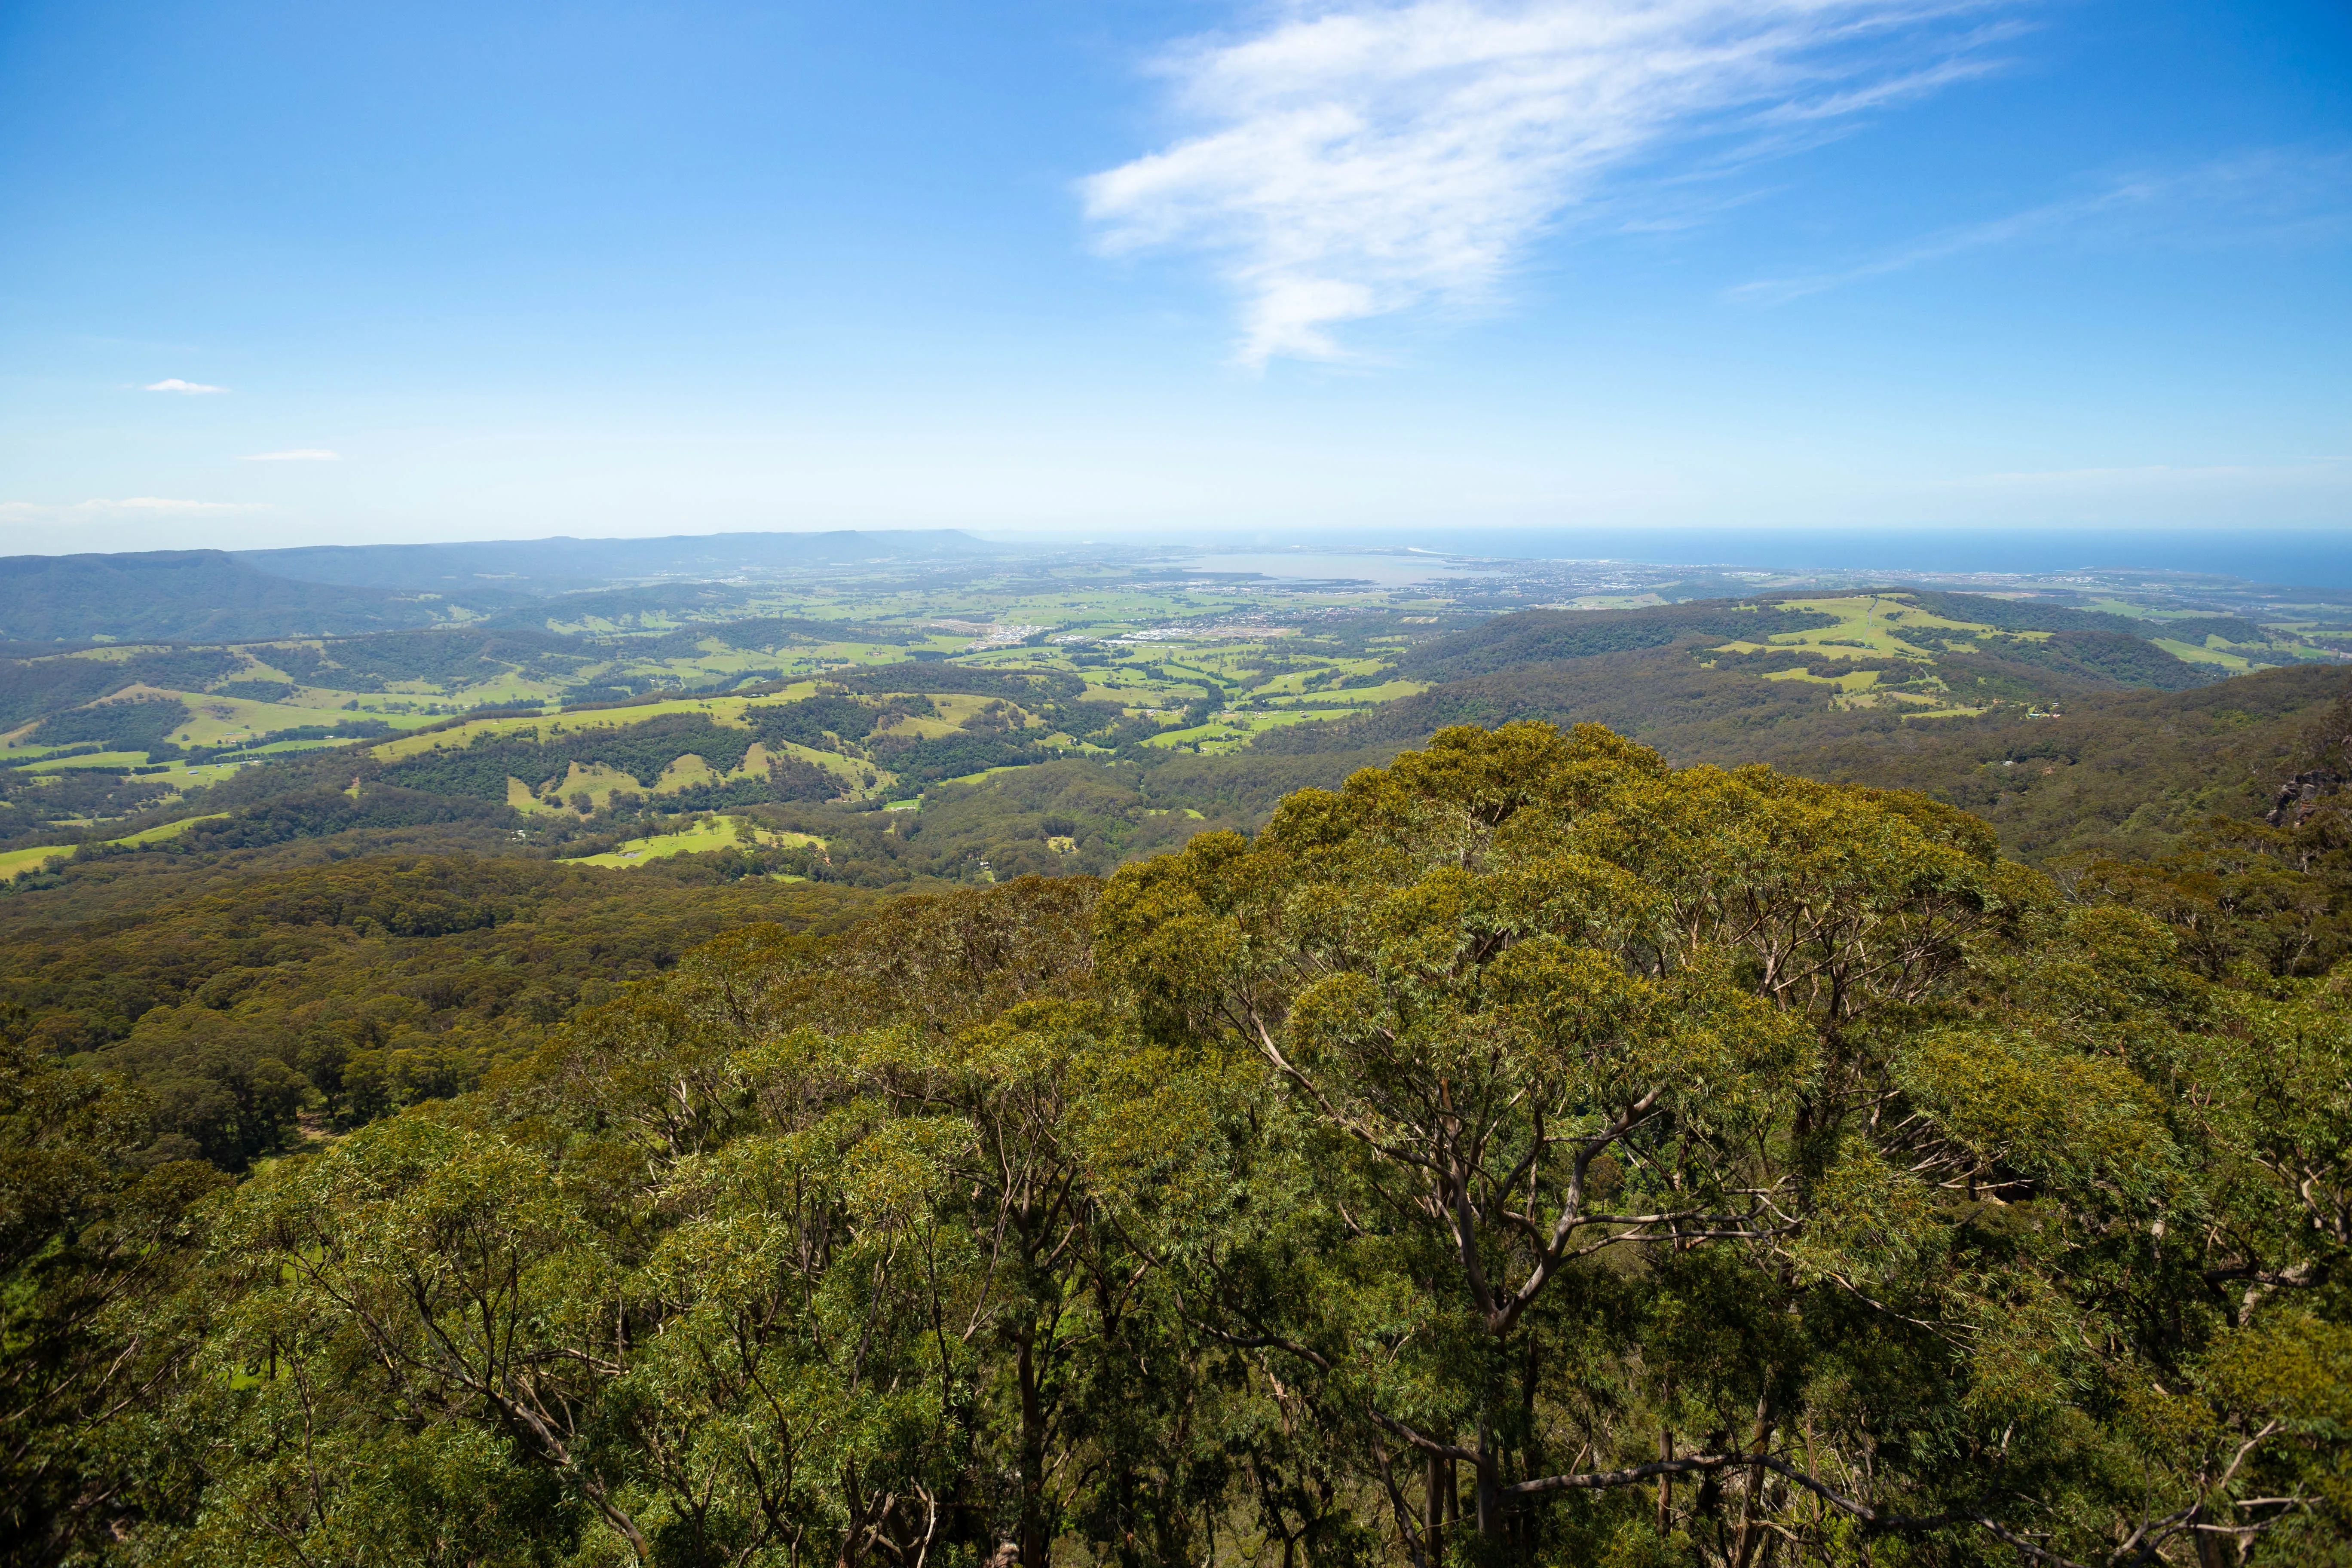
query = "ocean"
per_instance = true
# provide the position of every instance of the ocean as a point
(2313, 558)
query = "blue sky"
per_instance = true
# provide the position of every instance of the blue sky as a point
(1178, 271)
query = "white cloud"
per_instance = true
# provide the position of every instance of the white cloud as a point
(129, 506)
(2160, 477)
(174, 384)
(2269, 197)
(1936, 246)
(301, 455)
(1357, 160)
(161, 503)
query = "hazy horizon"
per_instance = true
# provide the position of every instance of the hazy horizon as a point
(2307, 557)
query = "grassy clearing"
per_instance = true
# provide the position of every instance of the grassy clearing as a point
(920, 728)
(169, 830)
(701, 837)
(597, 781)
(1852, 681)
(2137, 612)
(847, 768)
(1230, 731)
(1159, 675)
(1358, 696)
(519, 795)
(2199, 653)
(985, 774)
(685, 772)
(216, 721)
(1869, 625)
(44, 763)
(15, 863)
(189, 774)
(726, 711)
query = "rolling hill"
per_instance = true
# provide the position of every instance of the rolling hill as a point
(541, 567)
(197, 596)
(2073, 732)
(202, 595)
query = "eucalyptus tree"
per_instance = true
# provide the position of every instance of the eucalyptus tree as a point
(786, 1257)
(1625, 1126)
(1527, 1153)
(91, 1247)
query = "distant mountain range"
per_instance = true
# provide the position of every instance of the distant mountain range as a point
(561, 565)
(203, 595)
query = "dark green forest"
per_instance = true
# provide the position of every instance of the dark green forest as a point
(1523, 1151)
(315, 1000)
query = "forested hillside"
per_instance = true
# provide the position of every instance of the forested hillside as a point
(1527, 1153)
(194, 594)
(128, 747)
(297, 1003)
(546, 566)
(2116, 772)
(330, 590)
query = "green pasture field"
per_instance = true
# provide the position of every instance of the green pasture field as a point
(168, 830)
(2213, 650)
(1151, 653)
(1267, 665)
(15, 863)
(1082, 599)
(1258, 652)
(1233, 731)
(726, 710)
(1349, 696)
(1873, 622)
(700, 837)
(45, 760)
(1612, 602)
(1852, 681)
(2115, 606)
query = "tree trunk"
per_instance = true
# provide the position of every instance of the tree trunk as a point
(1033, 1546)
(1665, 1482)
(1751, 1505)
(1440, 1484)
(847, 1557)
(1490, 1491)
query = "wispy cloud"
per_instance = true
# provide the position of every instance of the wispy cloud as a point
(129, 506)
(1936, 246)
(1356, 160)
(2160, 477)
(301, 455)
(174, 384)
(2271, 195)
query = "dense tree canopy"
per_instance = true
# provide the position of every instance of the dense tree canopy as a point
(1525, 1153)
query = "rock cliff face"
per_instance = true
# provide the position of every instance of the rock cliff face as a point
(2297, 795)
